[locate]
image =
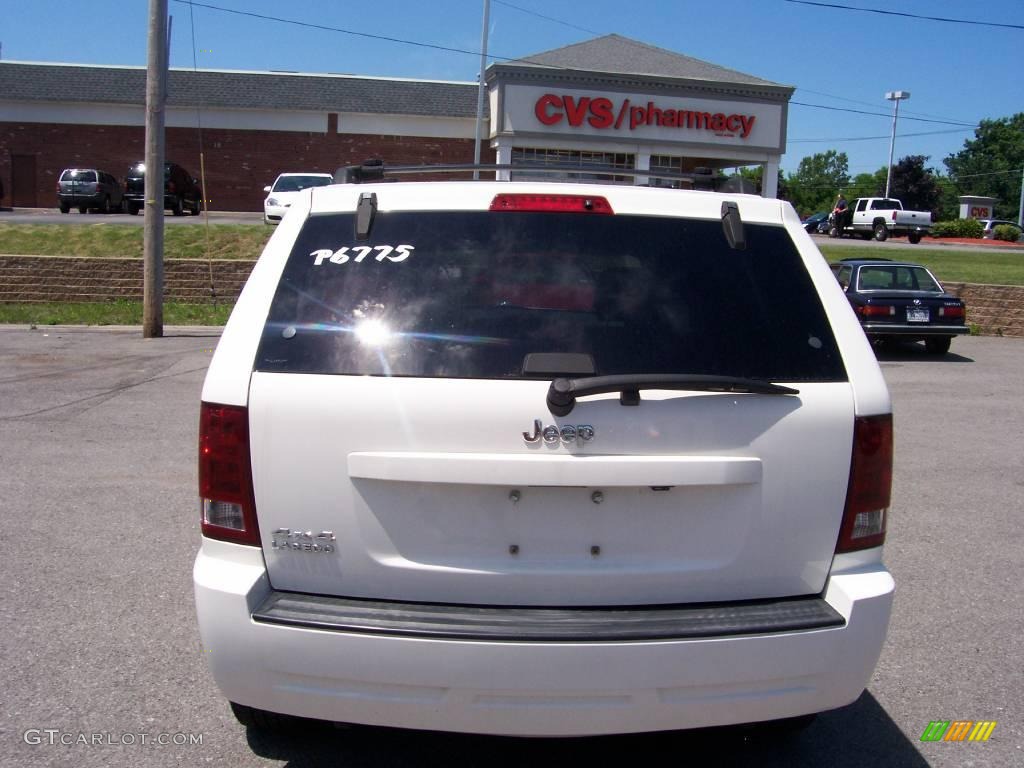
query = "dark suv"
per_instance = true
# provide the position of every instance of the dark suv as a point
(87, 189)
(181, 191)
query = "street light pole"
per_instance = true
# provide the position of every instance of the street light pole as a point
(895, 97)
(480, 89)
(1020, 211)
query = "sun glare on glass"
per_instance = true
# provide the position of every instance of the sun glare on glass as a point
(373, 333)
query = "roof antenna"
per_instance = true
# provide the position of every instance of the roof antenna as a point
(366, 210)
(732, 226)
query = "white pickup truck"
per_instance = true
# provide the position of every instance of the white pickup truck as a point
(880, 218)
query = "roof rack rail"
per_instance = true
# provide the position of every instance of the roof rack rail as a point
(375, 170)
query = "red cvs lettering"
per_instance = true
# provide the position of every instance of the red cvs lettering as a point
(602, 113)
(575, 111)
(545, 109)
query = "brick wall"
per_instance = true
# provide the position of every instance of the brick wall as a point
(27, 279)
(997, 310)
(239, 163)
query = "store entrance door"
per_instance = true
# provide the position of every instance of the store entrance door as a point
(23, 181)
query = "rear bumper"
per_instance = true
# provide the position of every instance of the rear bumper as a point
(920, 331)
(79, 200)
(531, 687)
(139, 200)
(573, 625)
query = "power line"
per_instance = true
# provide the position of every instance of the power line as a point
(873, 138)
(547, 18)
(882, 114)
(869, 103)
(950, 180)
(355, 33)
(837, 6)
(326, 28)
(990, 173)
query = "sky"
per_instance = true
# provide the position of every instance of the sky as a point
(841, 62)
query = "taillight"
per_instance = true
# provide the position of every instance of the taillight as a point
(876, 310)
(225, 475)
(867, 496)
(550, 203)
(894, 214)
(951, 311)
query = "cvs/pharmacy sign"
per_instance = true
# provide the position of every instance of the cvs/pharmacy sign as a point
(602, 113)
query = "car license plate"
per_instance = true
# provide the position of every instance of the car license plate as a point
(917, 315)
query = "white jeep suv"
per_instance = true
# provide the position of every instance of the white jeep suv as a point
(542, 459)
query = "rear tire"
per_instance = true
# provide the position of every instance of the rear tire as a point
(881, 232)
(260, 719)
(198, 208)
(105, 208)
(939, 345)
(778, 730)
(176, 209)
(914, 238)
(65, 208)
(83, 209)
(833, 232)
(133, 209)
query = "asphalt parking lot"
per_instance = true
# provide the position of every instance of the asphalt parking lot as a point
(98, 498)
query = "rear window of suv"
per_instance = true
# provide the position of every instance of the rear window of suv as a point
(472, 294)
(78, 175)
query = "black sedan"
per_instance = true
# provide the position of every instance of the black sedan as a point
(899, 299)
(816, 222)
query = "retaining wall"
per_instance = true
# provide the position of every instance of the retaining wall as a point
(61, 278)
(996, 310)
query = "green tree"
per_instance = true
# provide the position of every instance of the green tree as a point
(914, 185)
(868, 184)
(990, 164)
(755, 173)
(949, 203)
(817, 181)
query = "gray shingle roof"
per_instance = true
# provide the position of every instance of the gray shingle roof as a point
(21, 81)
(620, 55)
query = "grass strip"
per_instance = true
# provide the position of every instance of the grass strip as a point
(997, 266)
(104, 240)
(245, 241)
(110, 313)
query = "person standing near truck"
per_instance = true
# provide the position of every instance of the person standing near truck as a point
(838, 217)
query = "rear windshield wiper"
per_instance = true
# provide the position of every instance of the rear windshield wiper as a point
(562, 393)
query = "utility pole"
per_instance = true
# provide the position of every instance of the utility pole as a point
(153, 230)
(481, 86)
(1020, 210)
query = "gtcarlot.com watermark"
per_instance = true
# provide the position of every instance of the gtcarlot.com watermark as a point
(53, 737)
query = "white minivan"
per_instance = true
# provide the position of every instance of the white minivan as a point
(542, 459)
